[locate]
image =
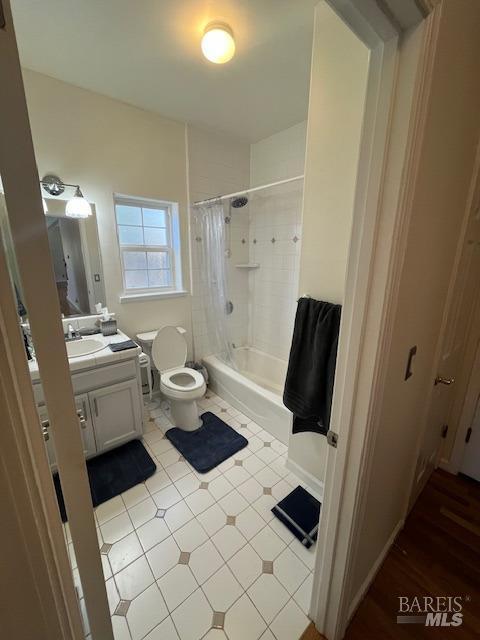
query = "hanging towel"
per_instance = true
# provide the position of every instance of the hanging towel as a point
(311, 367)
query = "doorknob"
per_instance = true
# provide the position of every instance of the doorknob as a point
(441, 380)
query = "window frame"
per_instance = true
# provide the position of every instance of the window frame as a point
(172, 248)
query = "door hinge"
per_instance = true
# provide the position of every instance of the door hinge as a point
(469, 433)
(444, 430)
(332, 438)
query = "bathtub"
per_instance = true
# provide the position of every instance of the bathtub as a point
(255, 389)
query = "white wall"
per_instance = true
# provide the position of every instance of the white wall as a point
(336, 107)
(109, 147)
(219, 164)
(279, 156)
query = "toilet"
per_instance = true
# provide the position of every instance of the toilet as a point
(181, 385)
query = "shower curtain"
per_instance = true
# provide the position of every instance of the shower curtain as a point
(209, 220)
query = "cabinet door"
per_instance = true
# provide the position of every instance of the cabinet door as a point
(116, 414)
(86, 425)
(88, 436)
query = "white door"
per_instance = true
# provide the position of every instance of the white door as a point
(456, 337)
(116, 414)
(20, 178)
(471, 457)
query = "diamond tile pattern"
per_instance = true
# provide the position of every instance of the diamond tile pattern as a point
(122, 608)
(190, 556)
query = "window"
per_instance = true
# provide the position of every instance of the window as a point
(149, 241)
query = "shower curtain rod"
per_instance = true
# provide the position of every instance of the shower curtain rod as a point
(251, 190)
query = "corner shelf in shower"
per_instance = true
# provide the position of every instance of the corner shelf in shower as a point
(248, 265)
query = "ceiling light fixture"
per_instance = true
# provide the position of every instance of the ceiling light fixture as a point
(76, 207)
(218, 44)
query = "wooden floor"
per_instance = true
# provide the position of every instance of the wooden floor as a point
(437, 553)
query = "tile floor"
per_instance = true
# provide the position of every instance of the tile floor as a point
(191, 556)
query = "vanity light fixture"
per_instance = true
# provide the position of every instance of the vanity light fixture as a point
(218, 44)
(76, 207)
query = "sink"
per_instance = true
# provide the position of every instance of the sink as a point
(83, 347)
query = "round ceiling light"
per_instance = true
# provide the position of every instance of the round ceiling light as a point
(218, 44)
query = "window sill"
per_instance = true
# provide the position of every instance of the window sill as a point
(154, 295)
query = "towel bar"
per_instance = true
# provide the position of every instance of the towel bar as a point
(304, 295)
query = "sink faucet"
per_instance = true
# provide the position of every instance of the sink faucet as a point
(72, 334)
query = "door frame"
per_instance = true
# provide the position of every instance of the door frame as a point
(29, 235)
(389, 157)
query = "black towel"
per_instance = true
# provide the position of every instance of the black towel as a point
(311, 366)
(121, 346)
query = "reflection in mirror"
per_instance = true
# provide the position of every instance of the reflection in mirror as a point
(76, 260)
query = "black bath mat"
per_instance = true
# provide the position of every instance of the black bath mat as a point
(112, 473)
(209, 445)
(300, 513)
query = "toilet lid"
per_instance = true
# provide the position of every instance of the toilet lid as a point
(169, 349)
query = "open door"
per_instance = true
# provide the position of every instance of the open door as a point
(28, 230)
(458, 332)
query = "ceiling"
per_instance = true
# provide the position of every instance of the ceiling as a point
(147, 53)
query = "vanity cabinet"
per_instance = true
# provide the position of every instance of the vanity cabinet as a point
(110, 402)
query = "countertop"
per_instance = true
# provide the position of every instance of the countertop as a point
(99, 358)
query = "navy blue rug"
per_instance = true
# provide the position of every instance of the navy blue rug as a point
(208, 446)
(112, 473)
(300, 513)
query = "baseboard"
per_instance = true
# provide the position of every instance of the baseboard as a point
(313, 483)
(373, 572)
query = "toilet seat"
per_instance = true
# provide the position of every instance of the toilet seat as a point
(182, 379)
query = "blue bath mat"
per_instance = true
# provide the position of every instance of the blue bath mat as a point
(112, 473)
(300, 513)
(209, 445)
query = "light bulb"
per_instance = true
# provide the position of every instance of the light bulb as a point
(78, 207)
(218, 44)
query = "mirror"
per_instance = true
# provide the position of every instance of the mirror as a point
(76, 259)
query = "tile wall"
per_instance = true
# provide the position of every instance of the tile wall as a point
(275, 233)
(267, 231)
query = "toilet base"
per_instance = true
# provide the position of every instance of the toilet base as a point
(185, 415)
